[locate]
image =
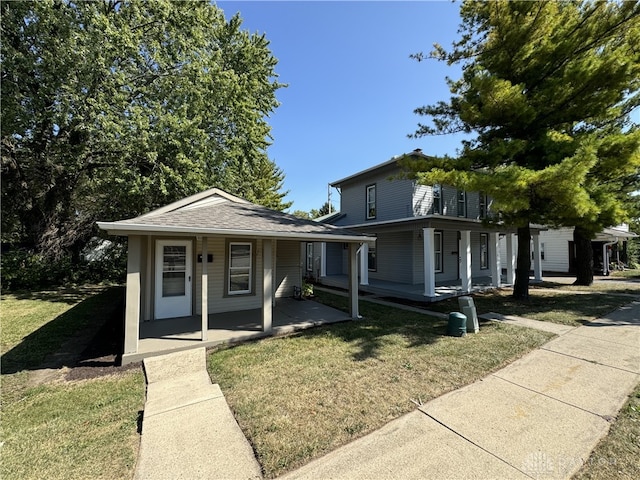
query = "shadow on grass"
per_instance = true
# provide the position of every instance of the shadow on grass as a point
(67, 338)
(70, 296)
(379, 323)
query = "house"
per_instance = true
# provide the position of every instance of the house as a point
(558, 252)
(431, 239)
(213, 254)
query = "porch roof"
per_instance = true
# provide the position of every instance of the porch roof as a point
(216, 212)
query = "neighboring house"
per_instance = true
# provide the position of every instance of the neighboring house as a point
(428, 236)
(558, 252)
(212, 253)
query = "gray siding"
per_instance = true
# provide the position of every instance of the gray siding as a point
(554, 244)
(289, 265)
(394, 257)
(393, 199)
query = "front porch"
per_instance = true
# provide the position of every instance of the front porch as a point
(159, 337)
(443, 290)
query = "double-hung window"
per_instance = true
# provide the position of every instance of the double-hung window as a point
(437, 199)
(309, 257)
(483, 205)
(240, 265)
(371, 201)
(372, 263)
(437, 250)
(484, 251)
(462, 203)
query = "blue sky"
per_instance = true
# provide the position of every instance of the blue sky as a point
(352, 87)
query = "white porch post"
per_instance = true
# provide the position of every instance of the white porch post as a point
(511, 258)
(537, 258)
(364, 264)
(267, 285)
(465, 256)
(205, 291)
(132, 309)
(323, 259)
(353, 280)
(429, 262)
(494, 258)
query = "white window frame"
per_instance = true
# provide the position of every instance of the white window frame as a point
(309, 257)
(484, 251)
(231, 269)
(483, 205)
(462, 201)
(437, 194)
(437, 251)
(371, 204)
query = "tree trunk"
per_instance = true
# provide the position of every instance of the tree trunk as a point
(584, 256)
(523, 264)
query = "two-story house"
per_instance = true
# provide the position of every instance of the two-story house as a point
(430, 239)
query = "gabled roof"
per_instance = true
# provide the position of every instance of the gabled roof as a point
(216, 212)
(389, 163)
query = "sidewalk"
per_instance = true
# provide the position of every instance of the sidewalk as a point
(539, 417)
(188, 430)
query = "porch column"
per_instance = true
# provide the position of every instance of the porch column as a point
(364, 264)
(465, 258)
(267, 285)
(537, 257)
(429, 262)
(353, 280)
(511, 258)
(494, 258)
(132, 309)
(323, 259)
(205, 291)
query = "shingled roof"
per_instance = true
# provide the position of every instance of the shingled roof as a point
(216, 212)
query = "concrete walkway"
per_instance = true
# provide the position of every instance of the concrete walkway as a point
(539, 417)
(188, 430)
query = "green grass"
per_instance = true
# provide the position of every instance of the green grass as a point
(63, 430)
(617, 455)
(300, 397)
(544, 304)
(632, 273)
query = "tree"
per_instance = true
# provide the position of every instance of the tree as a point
(112, 108)
(313, 214)
(547, 89)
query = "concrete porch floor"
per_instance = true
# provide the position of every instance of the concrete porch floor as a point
(415, 292)
(159, 337)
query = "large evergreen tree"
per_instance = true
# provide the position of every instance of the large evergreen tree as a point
(111, 108)
(546, 91)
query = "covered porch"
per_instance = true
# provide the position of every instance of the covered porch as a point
(175, 334)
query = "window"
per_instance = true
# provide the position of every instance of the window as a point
(372, 260)
(437, 250)
(437, 198)
(484, 251)
(462, 203)
(240, 260)
(371, 202)
(483, 205)
(309, 257)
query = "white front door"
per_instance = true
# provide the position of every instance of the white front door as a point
(173, 278)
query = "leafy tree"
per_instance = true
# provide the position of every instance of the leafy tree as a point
(314, 213)
(547, 89)
(111, 108)
(302, 214)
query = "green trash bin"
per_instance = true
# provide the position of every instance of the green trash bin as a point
(457, 326)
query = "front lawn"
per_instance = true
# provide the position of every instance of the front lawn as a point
(63, 430)
(299, 397)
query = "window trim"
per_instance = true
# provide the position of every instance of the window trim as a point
(438, 241)
(484, 256)
(309, 256)
(368, 188)
(461, 198)
(437, 187)
(251, 290)
(483, 202)
(375, 256)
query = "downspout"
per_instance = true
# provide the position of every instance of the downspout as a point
(605, 257)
